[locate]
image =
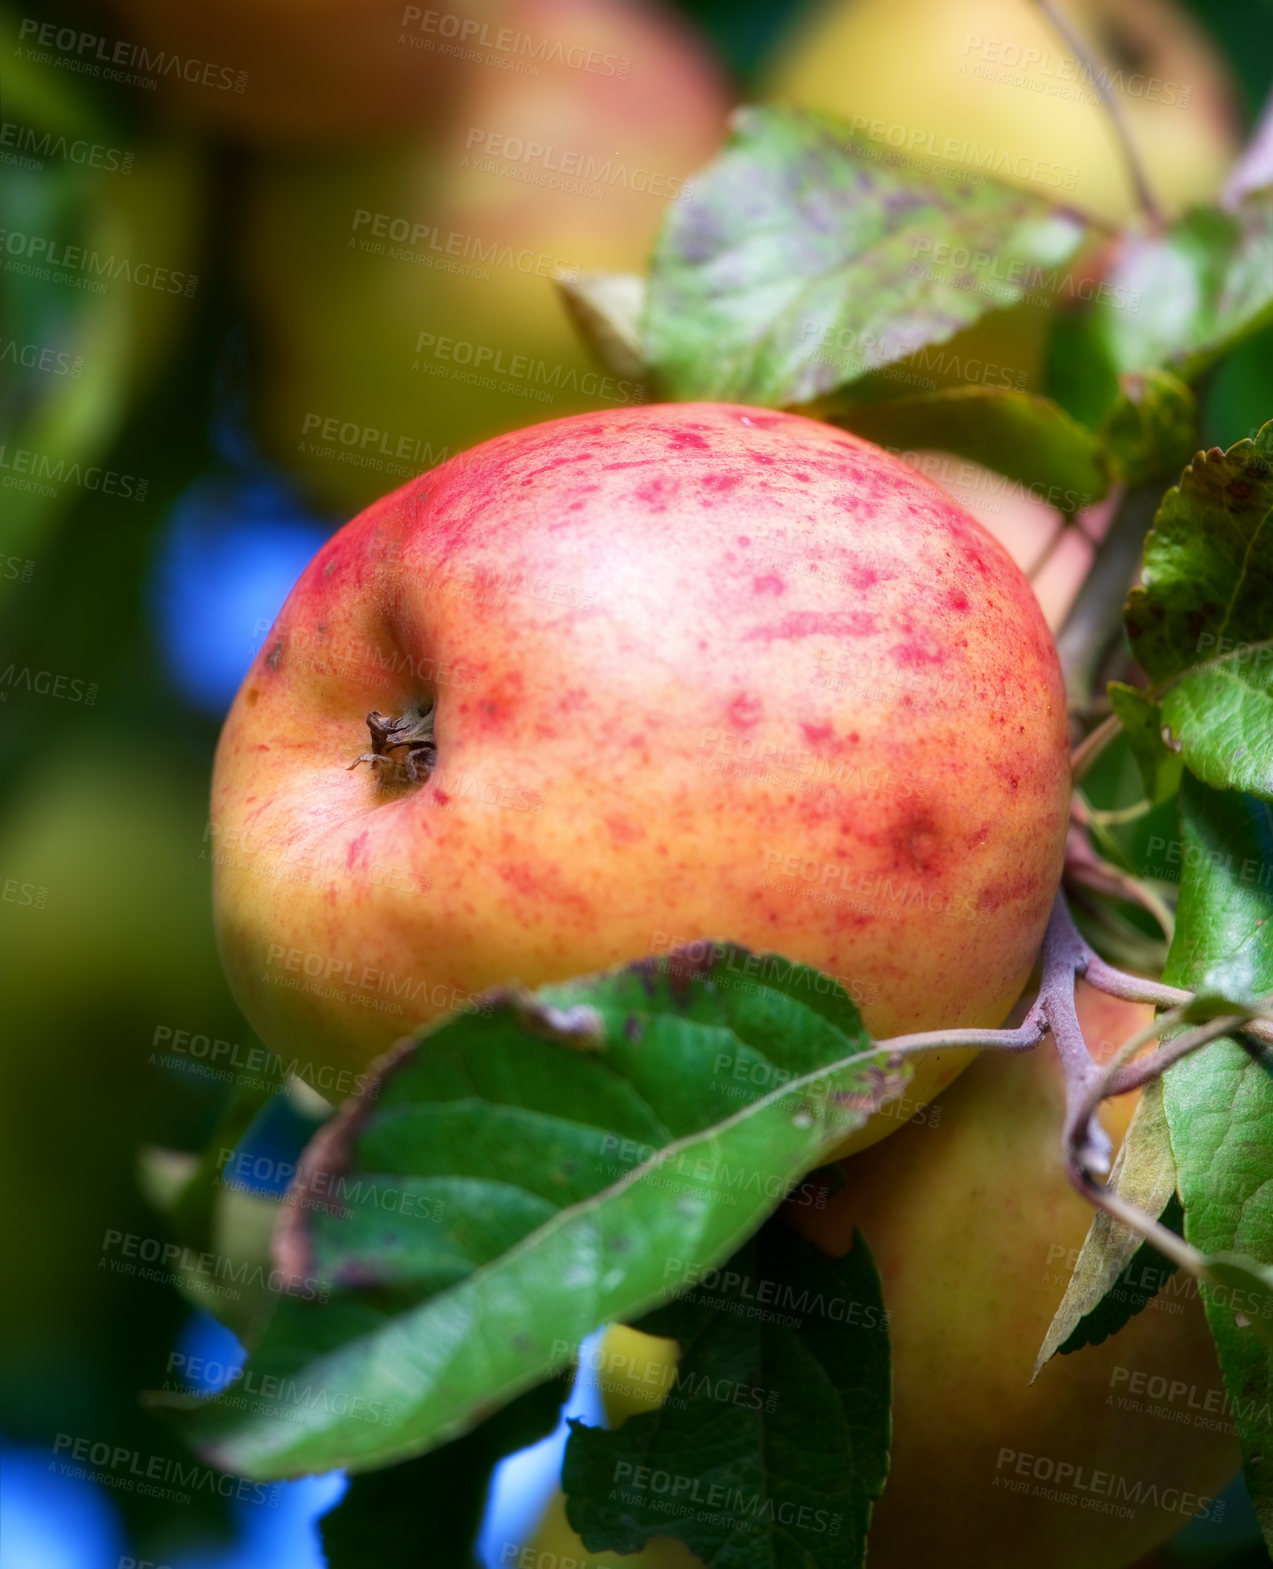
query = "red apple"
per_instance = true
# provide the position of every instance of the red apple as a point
(694, 671)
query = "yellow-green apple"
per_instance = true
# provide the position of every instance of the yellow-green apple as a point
(992, 87)
(402, 298)
(641, 678)
(554, 1544)
(975, 1228)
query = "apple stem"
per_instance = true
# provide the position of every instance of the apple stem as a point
(1145, 198)
(412, 734)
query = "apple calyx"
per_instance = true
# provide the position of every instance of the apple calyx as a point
(411, 735)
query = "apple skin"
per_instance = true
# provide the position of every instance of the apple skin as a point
(614, 612)
(945, 71)
(975, 1228)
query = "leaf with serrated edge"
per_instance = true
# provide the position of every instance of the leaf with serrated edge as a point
(678, 1179)
(1208, 568)
(1199, 624)
(1219, 1102)
(1145, 1175)
(786, 1472)
(1030, 439)
(794, 265)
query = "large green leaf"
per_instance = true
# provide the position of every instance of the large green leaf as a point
(1219, 1102)
(799, 262)
(517, 1179)
(1200, 624)
(773, 1443)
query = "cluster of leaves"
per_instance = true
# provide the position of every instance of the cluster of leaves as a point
(515, 1180)
(810, 268)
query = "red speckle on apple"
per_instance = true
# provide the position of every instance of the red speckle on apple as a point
(744, 712)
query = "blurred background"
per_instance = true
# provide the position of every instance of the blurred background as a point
(260, 262)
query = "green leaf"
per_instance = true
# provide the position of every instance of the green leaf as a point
(1142, 723)
(1199, 625)
(1030, 439)
(1107, 1287)
(1223, 714)
(1151, 430)
(426, 1513)
(799, 262)
(1142, 1278)
(773, 1443)
(1182, 299)
(1219, 1101)
(522, 1176)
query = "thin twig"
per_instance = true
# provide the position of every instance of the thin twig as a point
(1147, 1226)
(1145, 198)
(1082, 811)
(1137, 1076)
(1091, 746)
(1095, 618)
(1049, 550)
(1254, 169)
(1135, 988)
(1089, 870)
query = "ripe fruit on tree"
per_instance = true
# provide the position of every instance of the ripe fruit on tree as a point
(975, 1229)
(992, 87)
(402, 298)
(640, 678)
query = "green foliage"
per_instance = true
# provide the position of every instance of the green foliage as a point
(795, 266)
(522, 1176)
(773, 1444)
(1199, 625)
(1219, 1102)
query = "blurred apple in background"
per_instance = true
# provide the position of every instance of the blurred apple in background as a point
(106, 936)
(990, 85)
(995, 78)
(401, 299)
